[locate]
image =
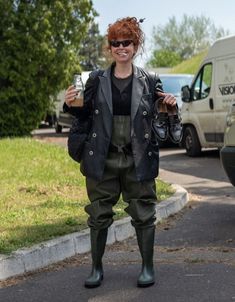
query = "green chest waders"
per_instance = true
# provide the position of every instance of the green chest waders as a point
(120, 178)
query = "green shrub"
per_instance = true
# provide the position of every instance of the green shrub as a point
(38, 50)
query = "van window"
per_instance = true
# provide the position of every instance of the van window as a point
(202, 84)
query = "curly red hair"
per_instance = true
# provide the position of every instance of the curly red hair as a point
(127, 28)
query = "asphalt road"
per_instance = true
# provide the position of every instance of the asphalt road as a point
(194, 250)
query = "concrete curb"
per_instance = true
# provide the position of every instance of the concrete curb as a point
(52, 251)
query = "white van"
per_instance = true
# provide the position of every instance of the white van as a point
(208, 100)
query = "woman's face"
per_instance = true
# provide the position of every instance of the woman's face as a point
(122, 50)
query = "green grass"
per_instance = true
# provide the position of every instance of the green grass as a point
(42, 193)
(190, 66)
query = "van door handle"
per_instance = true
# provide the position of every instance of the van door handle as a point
(211, 103)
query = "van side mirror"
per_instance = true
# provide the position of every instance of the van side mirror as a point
(185, 94)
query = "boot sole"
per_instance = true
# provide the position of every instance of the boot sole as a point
(92, 285)
(145, 284)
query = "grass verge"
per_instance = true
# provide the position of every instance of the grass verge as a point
(42, 194)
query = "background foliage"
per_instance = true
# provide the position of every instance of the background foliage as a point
(182, 40)
(40, 40)
(191, 65)
(92, 53)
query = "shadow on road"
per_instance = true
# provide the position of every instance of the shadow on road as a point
(207, 166)
(207, 224)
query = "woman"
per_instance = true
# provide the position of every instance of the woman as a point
(121, 155)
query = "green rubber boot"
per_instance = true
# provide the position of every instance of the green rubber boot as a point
(98, 242)
(145, 239)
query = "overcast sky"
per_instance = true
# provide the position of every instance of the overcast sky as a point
(158, 13)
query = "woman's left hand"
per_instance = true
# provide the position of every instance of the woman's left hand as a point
(169, 99)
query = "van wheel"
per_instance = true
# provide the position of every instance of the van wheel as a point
(191, 142)
(58, 127)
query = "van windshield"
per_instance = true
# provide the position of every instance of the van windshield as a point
(173, 84)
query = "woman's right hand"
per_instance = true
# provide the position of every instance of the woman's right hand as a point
(70, 95)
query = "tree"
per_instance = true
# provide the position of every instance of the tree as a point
(164, 58)
(40, 40)
(187, 38)
(91, 52)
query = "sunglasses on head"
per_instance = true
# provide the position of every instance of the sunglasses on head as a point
(115, 43)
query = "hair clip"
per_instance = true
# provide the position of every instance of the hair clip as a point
(141, 20)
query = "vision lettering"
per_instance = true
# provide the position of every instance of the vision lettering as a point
(227, 89)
